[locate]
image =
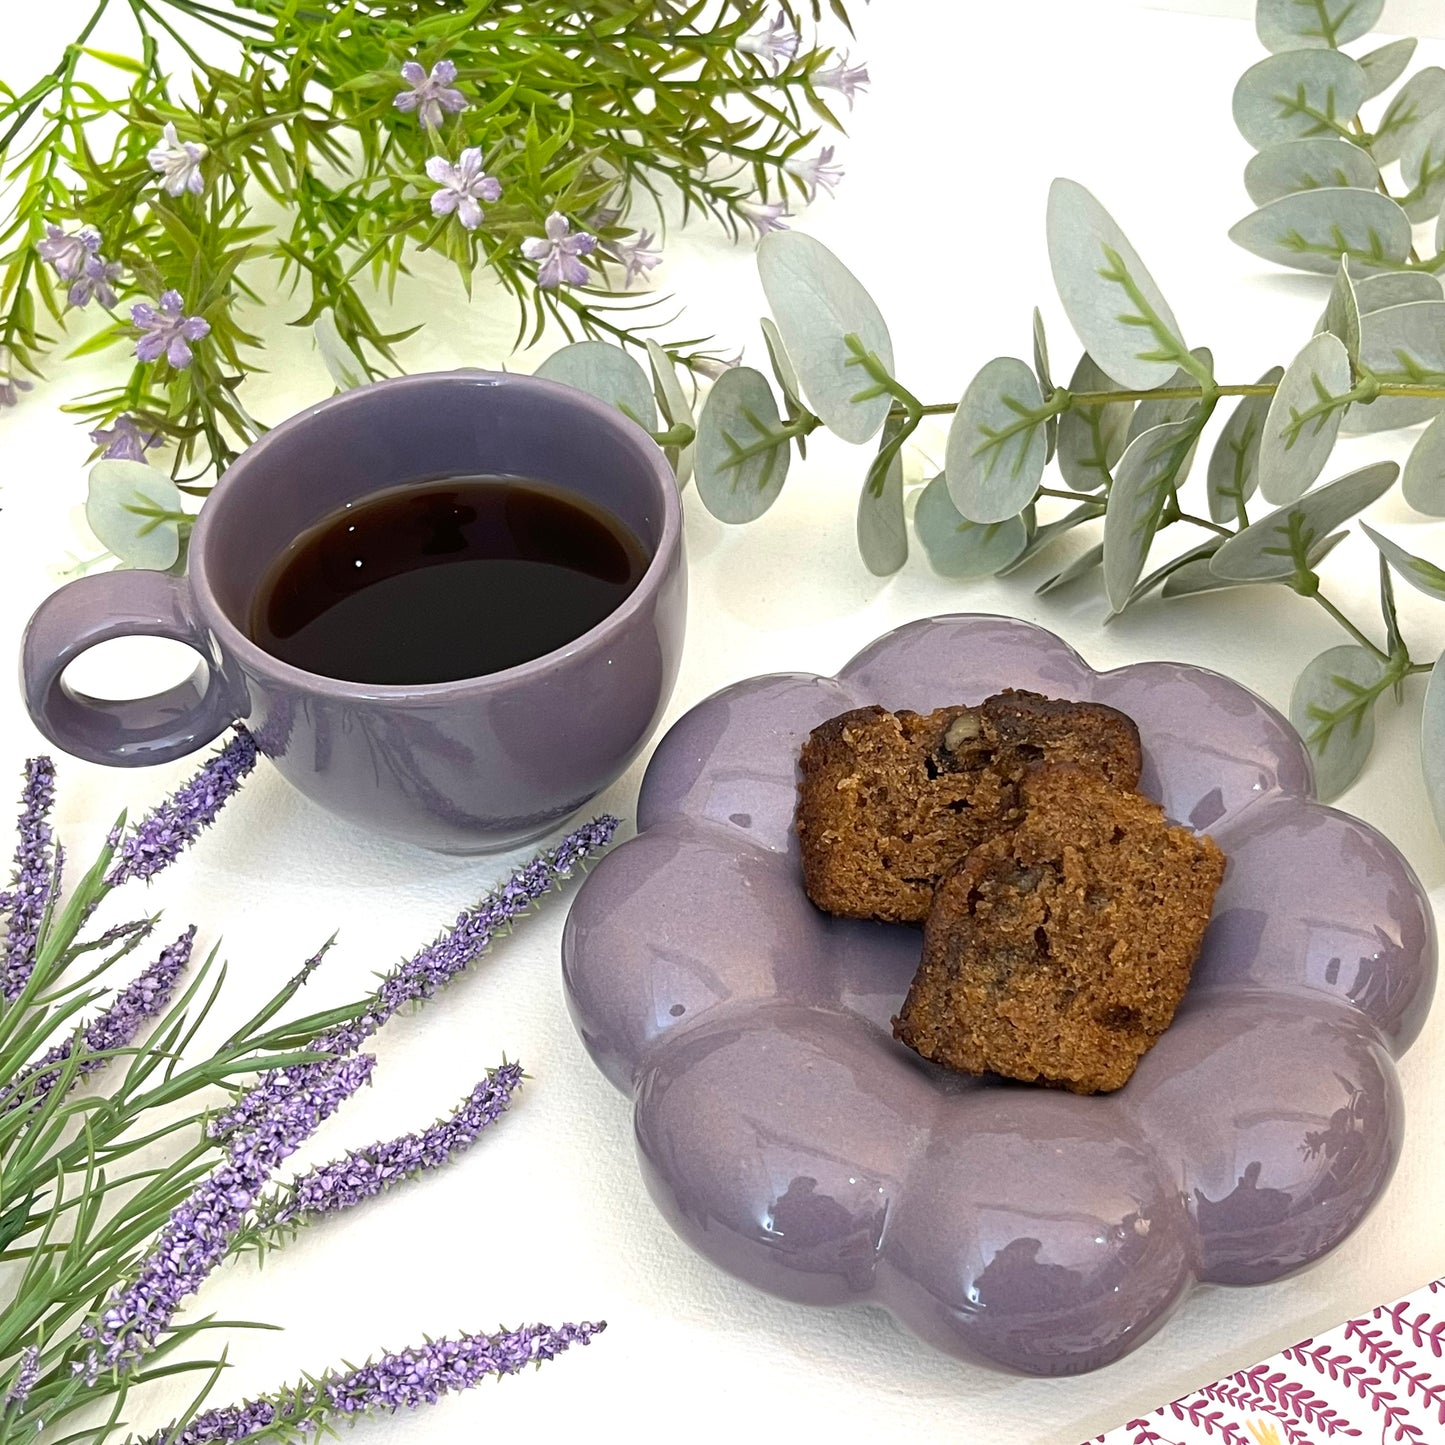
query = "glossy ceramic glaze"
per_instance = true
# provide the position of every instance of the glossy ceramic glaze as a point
(465, 766)
(787, 1137)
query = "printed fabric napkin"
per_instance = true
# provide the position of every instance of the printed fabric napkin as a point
(1376, 1378)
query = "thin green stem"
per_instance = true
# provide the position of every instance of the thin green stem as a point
(1350, 626)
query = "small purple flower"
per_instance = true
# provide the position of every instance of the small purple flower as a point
(816, 171)
(463, 185)
(845, 79)
(431, 96)
(762, 216)
(429, 971)
(558, 253)
(168, 331)
(144, 999)
(11, 388)
(401, 1381)
(199, 1232)
(27, 1376)
(67, 251)
(365, 1173)
(637, 256)
(157, 840)
(34, 878)
(178, 163)
(775, 45)
(124, 442)
(94, 282)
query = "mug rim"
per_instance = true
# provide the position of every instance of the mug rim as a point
(236, 643)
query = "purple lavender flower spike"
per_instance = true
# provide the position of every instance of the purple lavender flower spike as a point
(559, 253)
(124, 442)
(27, 1376)
(400, 1381)
(144, 999)
(199, 1232)
(34, 873)
(846, 79)
(637, 256)
(11, 388)
(775, 45)
(365, 1173)
(432, 96)
(424, 975)
(762, 216)
(815, 172)
(160, 837)
(94, 282)
(68, 251)
(177, 163)
(167, 332)
(462, 187)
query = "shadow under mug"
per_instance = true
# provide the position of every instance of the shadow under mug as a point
(468, 766)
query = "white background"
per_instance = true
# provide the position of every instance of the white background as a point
(973, 109)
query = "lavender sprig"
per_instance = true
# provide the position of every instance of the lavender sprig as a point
(27, 1376)
(401, 1381)
(34, 876)
(423, 976)
(199, 1233)
(159, 838)
(365, 1173)
(140, 1002)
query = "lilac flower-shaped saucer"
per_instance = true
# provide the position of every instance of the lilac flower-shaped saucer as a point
(788, 1138)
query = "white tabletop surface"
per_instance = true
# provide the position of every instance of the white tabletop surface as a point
(973, 110)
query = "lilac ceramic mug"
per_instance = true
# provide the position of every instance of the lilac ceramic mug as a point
(483, 763)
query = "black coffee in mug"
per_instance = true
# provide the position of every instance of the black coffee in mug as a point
(438, 581)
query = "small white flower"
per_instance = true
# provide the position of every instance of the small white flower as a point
(845, 79)
(463, 186)
(762, 216)
(816, 171)
(775, 45)
(178, 163)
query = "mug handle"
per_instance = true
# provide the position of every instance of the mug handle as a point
(134, 732)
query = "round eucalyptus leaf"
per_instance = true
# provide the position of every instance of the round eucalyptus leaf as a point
(1111, 300)
(1306, 165)
(739, 415)
(1273, 548)
(881, 529)
(1311, 230)
(817, 302)
(1092, 438)
(995, 455)
(341, 362)
(1383, 67)
(1424, 480)
(1044, 537)
(1432, 742)
(124, 506)
(1142, 479)
(1304, 419)
(1234, 463)
(676, 410)
(1399, 344)
(1160, 575)
(959, 548)
(1082, 566)
(1155, 411)
(1290, 25)
(1198, 576)
(1342, 314)
(1395, 288)
(1298, 93)
(782, 366)
(1422, 168)
(608, 373)
(1420, 97)
(1440, 233)
(1327, 713)
(1419, 573)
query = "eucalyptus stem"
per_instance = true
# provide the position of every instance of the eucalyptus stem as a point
(1345, 622)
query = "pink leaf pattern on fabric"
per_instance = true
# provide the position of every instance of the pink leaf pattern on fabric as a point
(1380, 1377)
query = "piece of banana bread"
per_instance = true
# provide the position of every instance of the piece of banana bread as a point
(887, 802)
(1059, 952)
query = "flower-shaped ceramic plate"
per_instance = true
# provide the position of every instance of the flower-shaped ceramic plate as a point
(787, 1137)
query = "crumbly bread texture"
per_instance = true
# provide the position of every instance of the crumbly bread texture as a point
(1059, 952)
(889, 802)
